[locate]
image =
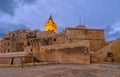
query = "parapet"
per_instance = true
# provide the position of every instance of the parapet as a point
(81, 26)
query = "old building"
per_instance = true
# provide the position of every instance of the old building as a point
(72, 45)
(14, 41)
(80, 40)
(95, 36)
(109, 53)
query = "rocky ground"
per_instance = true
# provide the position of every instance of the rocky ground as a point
(71, 70)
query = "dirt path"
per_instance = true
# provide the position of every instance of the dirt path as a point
(92, 70)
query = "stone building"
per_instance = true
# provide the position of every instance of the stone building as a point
(14, 41)
(95, 36)
(73, 45)
(80, 39)
(109, 53)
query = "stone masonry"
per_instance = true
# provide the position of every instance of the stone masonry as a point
(73, 45)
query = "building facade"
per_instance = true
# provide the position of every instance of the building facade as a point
(86, 40)
(72, 45)
(14, 41)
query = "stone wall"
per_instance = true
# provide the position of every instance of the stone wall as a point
(95, 36)
(59, 38)
(64, 53)
(16, 57)
(45, 34)
(15, 60)
(14, 41)
(5, 60)
(110, 53)
(96, 44)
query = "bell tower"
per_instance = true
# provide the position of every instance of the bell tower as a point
(50, 25)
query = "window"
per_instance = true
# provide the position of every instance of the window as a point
(8, 50)
(54, 39)
(28, 43)
(109, 54)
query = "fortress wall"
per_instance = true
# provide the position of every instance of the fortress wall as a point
(8, 60)
(4, 60)
(95, 36)
(96, 45)
(85, 33)
(66, 55)
(59, 39)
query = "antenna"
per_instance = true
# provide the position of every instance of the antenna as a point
(82, 19)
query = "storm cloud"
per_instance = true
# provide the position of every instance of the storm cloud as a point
(66, 13)
(7, 27)
(9, 6)
(112, 31)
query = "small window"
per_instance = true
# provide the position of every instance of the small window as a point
(54, 39)
(8, 50)
(28, 43)
(109, 54)
(13, 35)
(30, 49)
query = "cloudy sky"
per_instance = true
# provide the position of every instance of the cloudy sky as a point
(32, 14)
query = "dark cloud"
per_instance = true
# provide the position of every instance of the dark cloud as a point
(29, 1)
(112, 31)
(9, 6)
(7, 27)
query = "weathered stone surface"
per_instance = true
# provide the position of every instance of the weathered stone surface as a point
(65, 53)
(95, 36)
(15, 57)
(113, 48)
(14, 41)
(73, 45)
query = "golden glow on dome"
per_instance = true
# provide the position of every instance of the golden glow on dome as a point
(28, 31)
(50, 25)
